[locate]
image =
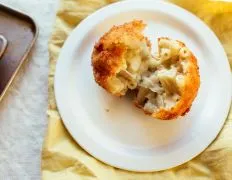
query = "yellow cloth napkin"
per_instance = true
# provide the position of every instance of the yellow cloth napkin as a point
(63, 159)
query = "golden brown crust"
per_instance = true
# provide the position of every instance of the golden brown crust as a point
(188, 92)
(109, 51)
(106, 64)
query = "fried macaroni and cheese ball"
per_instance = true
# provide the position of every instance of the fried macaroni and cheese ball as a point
(120, 56)
(165, 84)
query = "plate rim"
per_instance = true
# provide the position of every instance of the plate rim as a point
(57, 89)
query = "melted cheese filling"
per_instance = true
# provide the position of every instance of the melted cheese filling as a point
(157, 79)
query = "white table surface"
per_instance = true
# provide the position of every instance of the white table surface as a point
(23, 120)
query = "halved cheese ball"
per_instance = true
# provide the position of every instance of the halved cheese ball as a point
(175, 82)
(120, 56)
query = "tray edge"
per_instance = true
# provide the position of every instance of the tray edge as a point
(23, 59)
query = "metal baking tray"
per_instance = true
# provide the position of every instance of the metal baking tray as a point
(18, 33)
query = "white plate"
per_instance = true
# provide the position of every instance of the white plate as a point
(124, 137)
